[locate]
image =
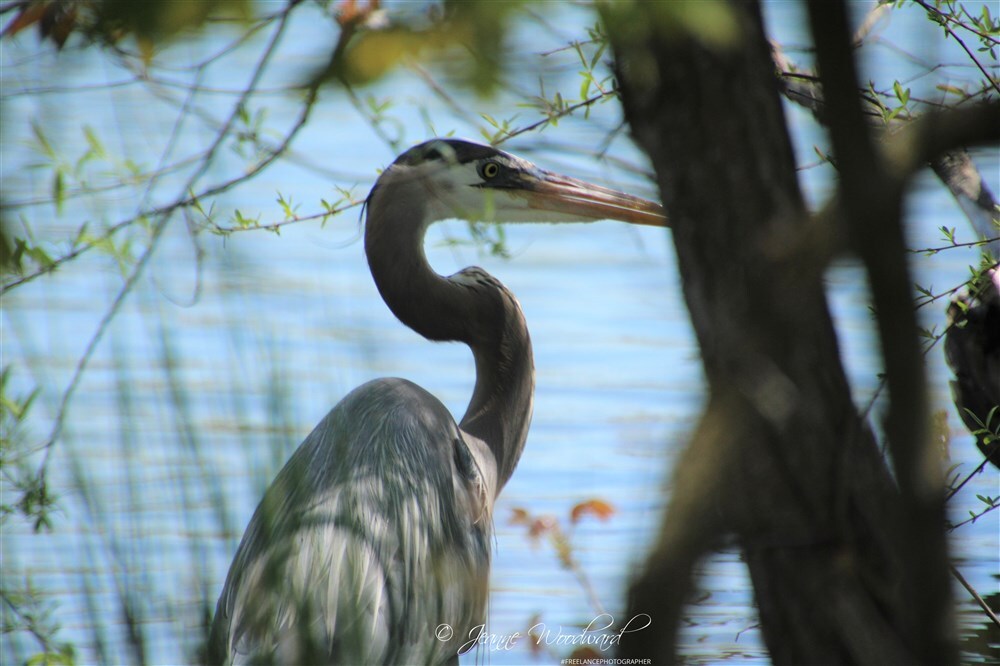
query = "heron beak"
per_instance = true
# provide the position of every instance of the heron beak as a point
(549, 191)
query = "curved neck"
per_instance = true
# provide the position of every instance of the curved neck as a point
(470, 307)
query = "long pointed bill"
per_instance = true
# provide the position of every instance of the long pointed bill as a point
(562, 194)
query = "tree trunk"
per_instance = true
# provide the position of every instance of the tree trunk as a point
(781, 456)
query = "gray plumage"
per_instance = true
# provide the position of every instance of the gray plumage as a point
(372, 545)
(350, 557)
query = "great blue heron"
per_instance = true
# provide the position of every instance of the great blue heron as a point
(972, 350)
(372, 545)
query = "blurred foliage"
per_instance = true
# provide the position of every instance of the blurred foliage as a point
(34, 501)
(6, 242)
(26, 608)
(371, 45)
(109, 21)
(559, 537)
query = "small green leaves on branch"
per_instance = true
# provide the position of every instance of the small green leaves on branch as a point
(239, 221)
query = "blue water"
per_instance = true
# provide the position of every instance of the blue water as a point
(265, 333)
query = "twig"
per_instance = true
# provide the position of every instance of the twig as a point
(974, 517)
(975, 595)
(558, 115)
(161, 224)
(978, 469)
(961, 43)
(975, 243)
(442, 94)
(960, 24)
(928, 299)
(373, 121)
(274, 226)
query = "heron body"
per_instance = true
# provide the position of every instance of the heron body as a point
(372, 545)
(972, 350)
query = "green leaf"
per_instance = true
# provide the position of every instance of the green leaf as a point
(902, 95)
(49, 658)
(245, 222)
(58, 191)
(597, 55)
(579, 52)
(81, 236)
(288, 207)
(43, 142)
(93, 141)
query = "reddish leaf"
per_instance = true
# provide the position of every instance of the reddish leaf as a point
(597, 507)
(541, 526)
(519, 516)
(350, 13)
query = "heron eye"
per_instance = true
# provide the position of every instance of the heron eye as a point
(490, 170)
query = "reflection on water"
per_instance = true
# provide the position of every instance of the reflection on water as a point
(215, 370)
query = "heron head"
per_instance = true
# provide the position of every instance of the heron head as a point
(461, 179)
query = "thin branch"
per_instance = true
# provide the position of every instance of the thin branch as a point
(129, 181)
(955, 168)
(976, 243)
(276, 226)
(951, 33)
(373, 121)
(70, 90)
(574, 44)
(979, 33)
(83, 247)
(165, 217)
(870, 21)
(572, 108)
(974, 517)
(975, 595)
(951, 19)
(184, 202)
(928, 299)
(442, 94)
(979, 468)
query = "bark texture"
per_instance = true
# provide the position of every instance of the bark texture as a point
(781, 456)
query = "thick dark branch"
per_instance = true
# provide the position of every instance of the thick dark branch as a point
(936, 137)
(817, 516)
(933, 135)
(871, 202)
(950, 162)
